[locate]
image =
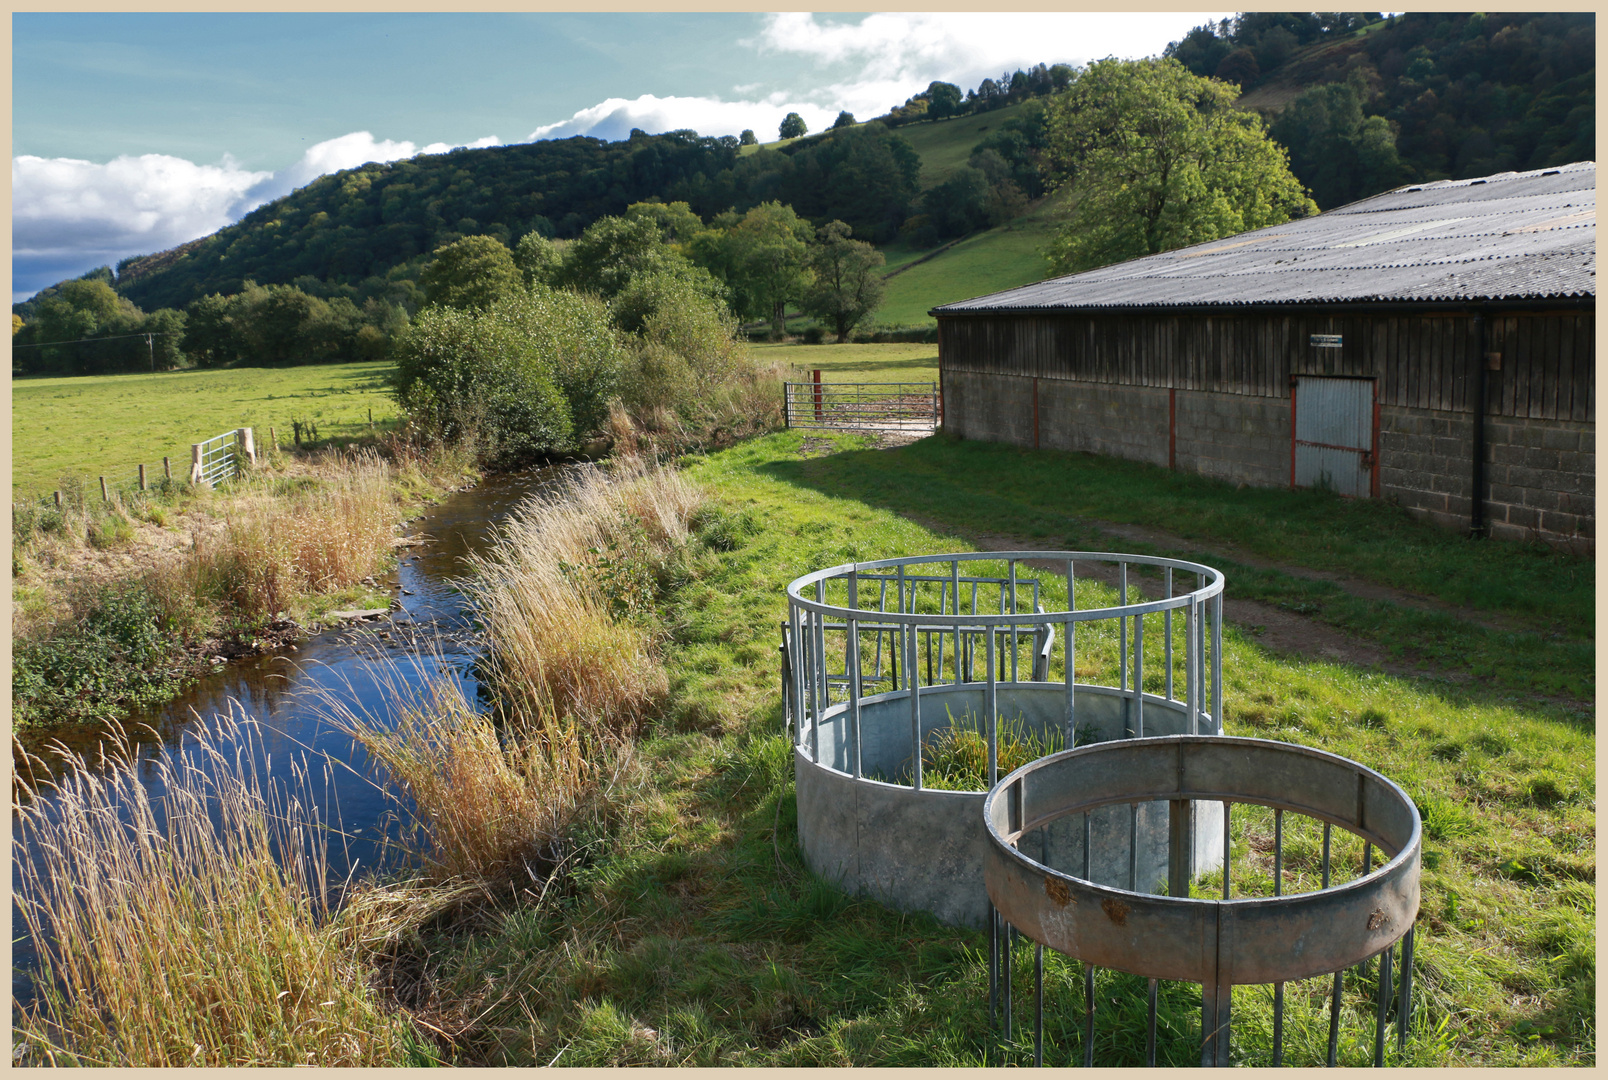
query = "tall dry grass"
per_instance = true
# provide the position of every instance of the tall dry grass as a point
(179, 919)
(571, 664)
(556, 592)
(488, 805)
(324, 538)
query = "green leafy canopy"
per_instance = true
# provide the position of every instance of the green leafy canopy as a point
(1158, 159)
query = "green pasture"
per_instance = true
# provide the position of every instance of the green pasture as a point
(696, 936)
(106, 425)
(855, 362)
(944, 145)
(986, 262)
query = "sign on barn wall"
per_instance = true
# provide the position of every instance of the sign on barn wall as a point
(1325, 341)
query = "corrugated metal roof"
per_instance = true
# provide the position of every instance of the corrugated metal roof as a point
(1528, 235)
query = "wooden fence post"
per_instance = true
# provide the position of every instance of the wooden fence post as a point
(247, 445)
(816, 379)
(273, 438)
(58, 500)
(195, 463)
(103, 490)
(167, 470)
(142, 476)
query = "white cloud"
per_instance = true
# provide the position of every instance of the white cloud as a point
(614, 118)
(69, 216)
(890, 56)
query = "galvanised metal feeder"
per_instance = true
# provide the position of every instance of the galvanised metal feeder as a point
(882, 658)
(1218, 942)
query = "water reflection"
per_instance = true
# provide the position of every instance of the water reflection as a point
(428, 634)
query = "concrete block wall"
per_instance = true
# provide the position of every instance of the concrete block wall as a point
(1234, 437)
(1540, 474)
(1122, 421)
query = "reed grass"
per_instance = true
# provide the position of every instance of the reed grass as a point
(563, 593)
(178, 913)
(322, 539)
(488, 805)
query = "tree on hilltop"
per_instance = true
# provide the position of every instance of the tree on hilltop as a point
(793, 126)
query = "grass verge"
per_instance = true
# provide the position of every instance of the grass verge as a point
(694, 935)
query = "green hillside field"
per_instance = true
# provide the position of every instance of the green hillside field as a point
(106, 425)
(986, 262)
(944, 145)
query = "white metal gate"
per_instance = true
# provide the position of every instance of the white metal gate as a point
(1334, 435)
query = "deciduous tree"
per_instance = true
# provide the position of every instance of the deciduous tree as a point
(470, 273)
(1159, 158)
(793, 126)
(848, 282)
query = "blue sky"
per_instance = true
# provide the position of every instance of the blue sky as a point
(132, 133)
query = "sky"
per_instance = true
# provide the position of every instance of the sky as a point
(132, 133)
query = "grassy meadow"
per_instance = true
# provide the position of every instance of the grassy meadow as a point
(854, 362)
(106, 425)
(688, 931)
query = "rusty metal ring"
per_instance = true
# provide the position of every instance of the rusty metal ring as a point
(1208, 941)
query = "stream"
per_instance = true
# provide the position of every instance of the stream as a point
(431, 634)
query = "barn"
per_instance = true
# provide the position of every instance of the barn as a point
(1433, 345)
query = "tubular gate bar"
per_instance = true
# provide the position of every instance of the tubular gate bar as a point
(219, 458)
(912, 406)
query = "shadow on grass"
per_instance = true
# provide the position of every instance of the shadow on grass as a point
(1049, 498)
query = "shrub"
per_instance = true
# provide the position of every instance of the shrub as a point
(533, 372)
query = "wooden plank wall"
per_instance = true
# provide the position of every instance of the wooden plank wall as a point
(1423, 361)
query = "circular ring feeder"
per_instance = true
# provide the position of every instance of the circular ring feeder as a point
(1217, 942)
(1014, 653)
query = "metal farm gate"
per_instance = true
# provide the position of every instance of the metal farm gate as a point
(877, 406)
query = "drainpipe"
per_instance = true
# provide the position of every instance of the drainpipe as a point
(1476, 524)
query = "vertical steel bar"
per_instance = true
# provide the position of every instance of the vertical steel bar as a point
(1180, 846)
(1038, 1007)
(943, 609)
(1133, 847)
(1227, 846)
(909, 672)
(954, 582)
(1383, 1008)
(1404, 1014)
(1088, 1016)
(1005, 978)
(853, 664)
(1167, 632)
(1150, 1029)
(1278, 890)
(990, 706)
(1139, 676)
(913, 679)
(1192, 667)
(1217, 664)
(808, 635)
(1014, 677)
(1334, 1016)
(1070, 649)
(993, 963)
(1339, 976)
(1122, 633)
(820, 693)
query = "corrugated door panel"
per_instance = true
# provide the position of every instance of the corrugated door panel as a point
(1334, 433)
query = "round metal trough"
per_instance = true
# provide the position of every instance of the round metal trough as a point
(1217, 942)
(881, 658)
